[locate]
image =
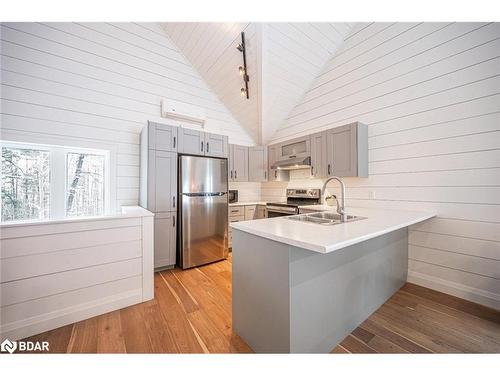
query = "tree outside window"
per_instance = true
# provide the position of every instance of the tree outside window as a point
(25, 184)
(84, 184)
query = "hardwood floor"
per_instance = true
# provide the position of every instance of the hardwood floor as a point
(191, 313)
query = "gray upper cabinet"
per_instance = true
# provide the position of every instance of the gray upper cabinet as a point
(238, 163)
(162, 181)
(165, 234)
(191, 141)
(347, 151)
(274, 174)
(257, 164)
(216, 145)
(319, 155)
(295, 148)
(162, 137)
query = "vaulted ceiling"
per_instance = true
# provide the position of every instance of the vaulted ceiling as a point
(282, 61)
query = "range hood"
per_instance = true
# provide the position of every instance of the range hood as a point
(294, 163)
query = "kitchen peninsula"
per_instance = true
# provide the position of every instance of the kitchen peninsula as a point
(301, 287)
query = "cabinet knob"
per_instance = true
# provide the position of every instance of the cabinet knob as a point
(201, 146)
(329, 169)
(174, 142)
(207, 147)
(173, 221)
(235, 175)
(231, 174)
(173, 203)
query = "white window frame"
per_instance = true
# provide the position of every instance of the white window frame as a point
(58, 176)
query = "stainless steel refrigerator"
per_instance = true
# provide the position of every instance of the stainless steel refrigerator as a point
(203, 229)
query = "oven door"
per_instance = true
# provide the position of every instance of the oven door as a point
(276, 211)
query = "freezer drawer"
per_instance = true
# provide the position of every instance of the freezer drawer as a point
(204, 230)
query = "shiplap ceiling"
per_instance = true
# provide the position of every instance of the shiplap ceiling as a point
(282, 59)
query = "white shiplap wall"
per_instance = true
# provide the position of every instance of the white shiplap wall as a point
(60, 272)
(430, 95)
(99, 83)
(293, 54)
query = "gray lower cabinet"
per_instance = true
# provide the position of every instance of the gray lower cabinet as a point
(260, 212)
(318, 155)
(272, 157)
(165, 234)
(162, 137)
(347, 151)
(257, 164)
(238, 163)
(216, 145)
(191, 141)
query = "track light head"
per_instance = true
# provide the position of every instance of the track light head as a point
(243, 91)
(240, 47)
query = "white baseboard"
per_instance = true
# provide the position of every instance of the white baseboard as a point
(42, 323)
(479, 296)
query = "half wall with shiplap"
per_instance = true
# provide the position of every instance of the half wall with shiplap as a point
(97, 84)
(430, 95)
(55, 273)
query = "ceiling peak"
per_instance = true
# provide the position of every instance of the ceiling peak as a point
(282, 59)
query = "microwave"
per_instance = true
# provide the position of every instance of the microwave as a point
(233, 196)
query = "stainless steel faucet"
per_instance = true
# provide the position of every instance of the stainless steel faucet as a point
(341, 207)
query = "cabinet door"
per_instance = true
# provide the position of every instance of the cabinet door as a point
(239, 162)
(260, 212)
(257, 164)
(318, 155)
(165, 234)
(162, 137)
(162, 181)
(341, 151)
(274, 174)
(295, 148)
(191, 141)
(216, 145)
(250, 212)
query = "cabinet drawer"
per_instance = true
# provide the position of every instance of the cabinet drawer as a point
(249, 212)
(236, 211)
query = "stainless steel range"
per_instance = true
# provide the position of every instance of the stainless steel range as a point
(294, 199)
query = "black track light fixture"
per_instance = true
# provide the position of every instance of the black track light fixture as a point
(243, 69)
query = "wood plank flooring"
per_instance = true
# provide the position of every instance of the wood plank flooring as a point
(191, 313)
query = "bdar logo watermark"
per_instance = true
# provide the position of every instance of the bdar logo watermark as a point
(8, 346)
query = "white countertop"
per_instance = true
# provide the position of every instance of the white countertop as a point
(251, 203)
(328, 238)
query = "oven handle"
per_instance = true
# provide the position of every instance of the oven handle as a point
(292, 211)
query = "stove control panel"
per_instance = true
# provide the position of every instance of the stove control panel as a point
(303, 193)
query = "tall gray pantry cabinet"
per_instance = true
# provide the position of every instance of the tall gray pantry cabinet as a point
(158, 187)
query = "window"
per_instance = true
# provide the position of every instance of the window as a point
(41, 182)
(25, 184)
(84, 184)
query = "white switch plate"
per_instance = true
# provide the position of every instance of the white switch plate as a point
(371, 194)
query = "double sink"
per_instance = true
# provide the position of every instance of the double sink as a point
(324, 218)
